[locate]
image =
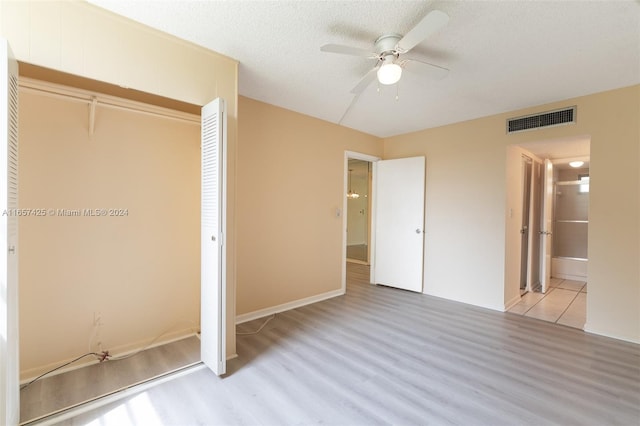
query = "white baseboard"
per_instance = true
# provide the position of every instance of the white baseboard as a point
(570, 277)
(359, 262)
(260, 313)
(118, 351)
(511, 303)
(589, 329)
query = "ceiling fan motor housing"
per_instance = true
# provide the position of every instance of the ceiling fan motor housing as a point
(386, 45)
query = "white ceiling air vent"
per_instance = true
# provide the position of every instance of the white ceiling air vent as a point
(545, 119)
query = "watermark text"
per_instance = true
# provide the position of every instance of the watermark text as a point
(49, 212)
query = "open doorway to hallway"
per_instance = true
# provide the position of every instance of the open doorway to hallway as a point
(358, 211)
(358, 241)
(553, 259)
(396, 220)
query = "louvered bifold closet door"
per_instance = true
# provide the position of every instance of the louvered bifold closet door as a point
(213, 200)
(9, 357)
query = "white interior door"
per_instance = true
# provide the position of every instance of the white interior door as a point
(399, 223)
(545, 232)
(525, 229)
(213, 248)
(535, 223)
(9, 356)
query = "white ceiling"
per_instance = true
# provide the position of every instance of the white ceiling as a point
(503, 55)
(563, 150)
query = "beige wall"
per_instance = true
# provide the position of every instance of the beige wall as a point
(468, 200)
(290, 183)
(464, 208)
(84, 40)
(140, 271)
(613, 302)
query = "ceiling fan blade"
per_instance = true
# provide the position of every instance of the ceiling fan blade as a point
(365, 81)
(353, 102)
(435, 71)
(429, 25)
(347, 50)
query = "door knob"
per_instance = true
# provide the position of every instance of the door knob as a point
(418, 231)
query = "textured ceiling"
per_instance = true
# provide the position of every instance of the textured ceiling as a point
(503, 55)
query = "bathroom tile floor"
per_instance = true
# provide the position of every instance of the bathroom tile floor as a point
(564, 303)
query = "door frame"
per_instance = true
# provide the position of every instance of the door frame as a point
(352, 155)
(538, 150)
(224, 189)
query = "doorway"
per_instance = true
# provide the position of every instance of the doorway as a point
(551, 267)
(358, 234)
(358, 211)
(181, 347)
(395, 242)
(530, 255)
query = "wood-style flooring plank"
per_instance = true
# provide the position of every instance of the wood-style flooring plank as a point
(381, 356)
(56, 392)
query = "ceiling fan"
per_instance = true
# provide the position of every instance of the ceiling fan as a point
(388, 49)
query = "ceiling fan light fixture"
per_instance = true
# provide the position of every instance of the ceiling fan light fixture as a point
(389, 72)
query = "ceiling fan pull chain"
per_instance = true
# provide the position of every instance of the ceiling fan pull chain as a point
(397, 91)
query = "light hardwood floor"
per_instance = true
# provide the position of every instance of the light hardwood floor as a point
(56, 392)
(384, 356)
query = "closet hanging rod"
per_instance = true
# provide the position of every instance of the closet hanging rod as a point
(78, 95)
